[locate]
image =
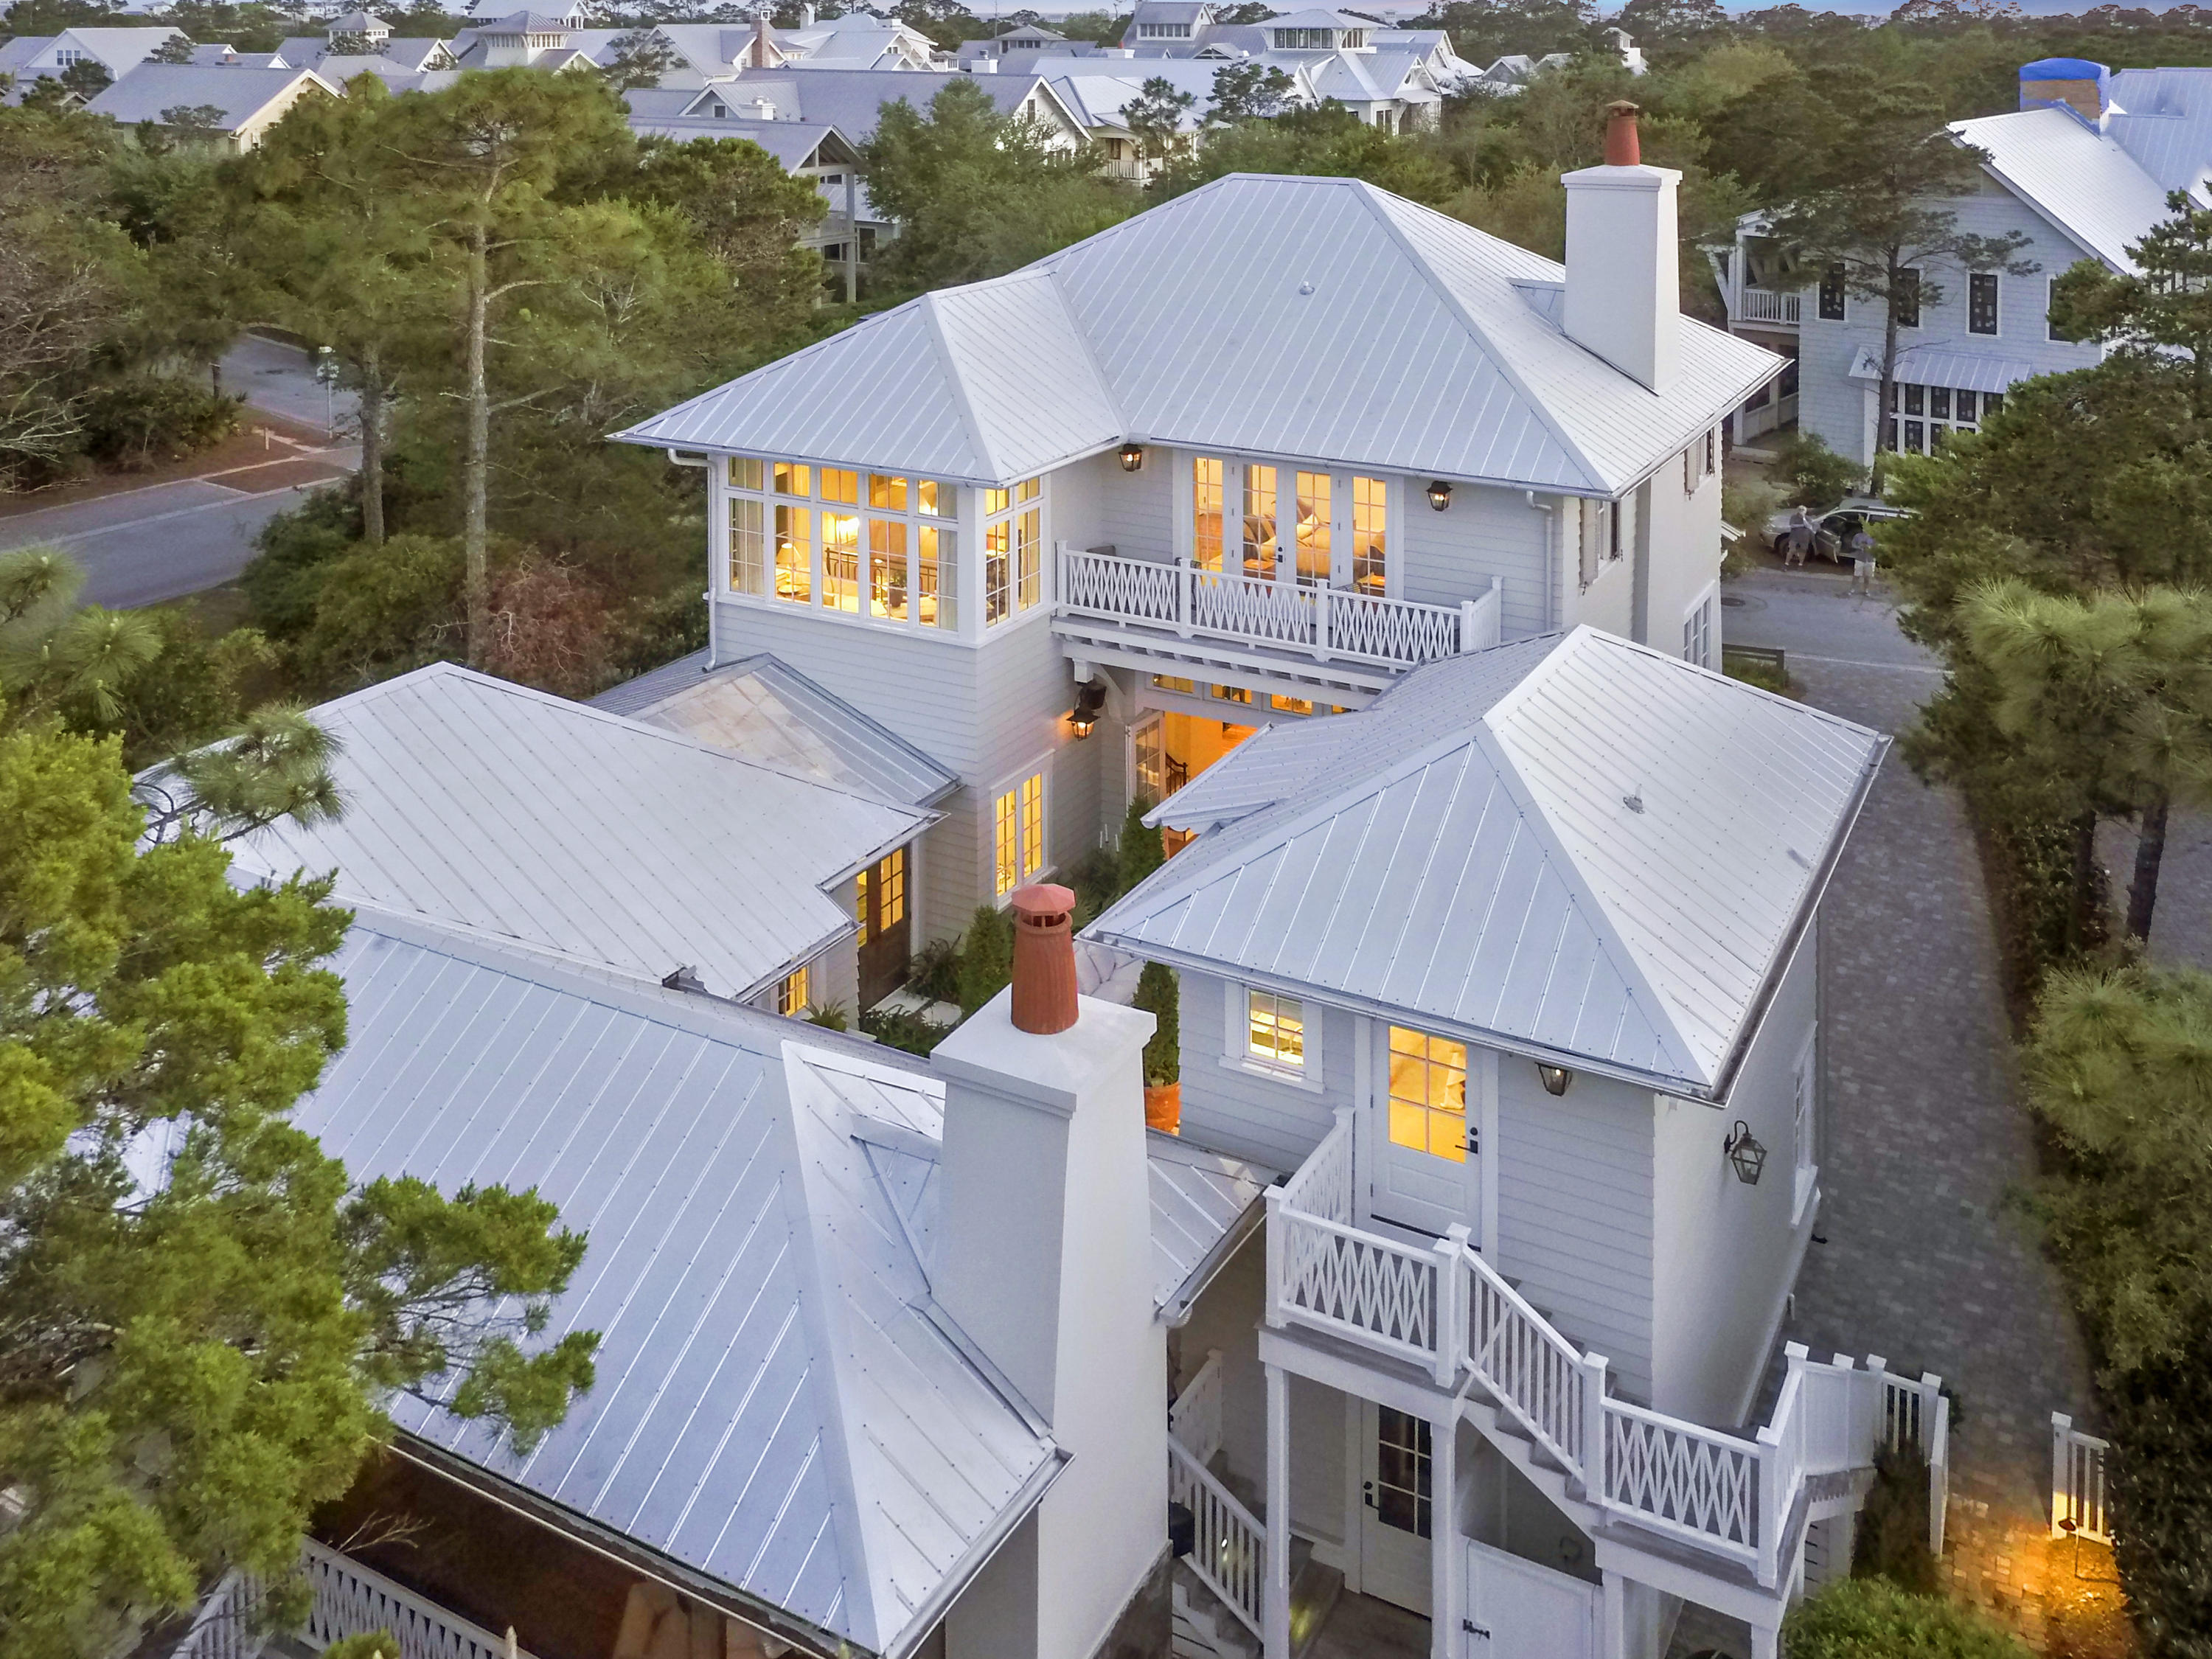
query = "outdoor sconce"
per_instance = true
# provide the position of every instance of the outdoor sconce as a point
(1090, 699)
(1556, 1078)
(1439, 493)
(1133, 457)
(1745, 1153)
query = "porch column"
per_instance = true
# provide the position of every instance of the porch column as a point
(1447, 1549)
(1767, 1639)
(1275, 1597)
(1613, 1634)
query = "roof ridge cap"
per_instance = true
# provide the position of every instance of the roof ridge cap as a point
(1371, 195)
(949, 361)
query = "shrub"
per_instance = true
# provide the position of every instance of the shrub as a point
(1813, 475)
(1872, 1618)
(1891, 1542)
(137, 423)
(2161, 1497)
(1160, 995)
(829, 1016)
(901, 1028)
(382, 610)
(1095, 876)
(292, 553)
(987, 957)
(935, 971)
(1141, 852)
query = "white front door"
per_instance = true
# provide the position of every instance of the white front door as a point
(1396, 1516)
(1517, 1609)
(1424, 1115)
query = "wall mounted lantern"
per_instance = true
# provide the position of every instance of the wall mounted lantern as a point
(1090, 700)
(1745, 1153)
(1133, 457)
(1439, 493)
(1556, 1078)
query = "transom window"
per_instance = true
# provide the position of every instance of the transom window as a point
(1275, 1030)
(877, 544)
(1013, 550)
(1018, 833)
(1932, 414)
(1428, 1094)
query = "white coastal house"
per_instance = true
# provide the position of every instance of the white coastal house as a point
(2081, 171)
(233, 103)
(1249, 456)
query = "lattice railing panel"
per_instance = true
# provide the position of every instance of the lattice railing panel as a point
(1692, 1479)
(351, 1599)
(1383, 1289)
(1136, 588)
(1273, 612)
(1392, 630)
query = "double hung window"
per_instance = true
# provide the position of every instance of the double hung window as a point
(1833, 296)
(1982, 303)
(794, 991)
(1013, 550)
(1275, 1031)
(874, 544)
(1018, 833)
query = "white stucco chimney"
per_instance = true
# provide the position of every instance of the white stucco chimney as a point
(1045, 1261)
(1624, 291)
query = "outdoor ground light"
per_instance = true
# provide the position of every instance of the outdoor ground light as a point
(1090, 699)
(1556, 1077)
(1745, 1153)
(1439, 493)
(1133, 457)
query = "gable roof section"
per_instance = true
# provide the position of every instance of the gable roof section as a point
(1497, 883)
(777, 1405)
(2080, 179)
(1269, 316)
(141, 94)
(565, 829)
(761, 709)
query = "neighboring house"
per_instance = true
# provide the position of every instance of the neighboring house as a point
(236, 103)
(530, 40)
(620, 840)
(1505, 968)
(853, 101)
(2081, 170)
(1249, 456)
(373, 49)
(27, 59)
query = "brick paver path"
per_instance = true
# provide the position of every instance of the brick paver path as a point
(1924, 1263)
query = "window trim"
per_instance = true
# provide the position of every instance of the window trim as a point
(1836, 277)
(1237, 1014)
(755, 477)
(1996, 330)
(1704, 612)
(1397, 489)
(1040, 770)
(1804, 1130)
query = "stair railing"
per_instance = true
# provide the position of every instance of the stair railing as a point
(1231, 1554)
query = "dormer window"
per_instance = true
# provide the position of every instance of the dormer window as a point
(1305, 39)
(1164, 31)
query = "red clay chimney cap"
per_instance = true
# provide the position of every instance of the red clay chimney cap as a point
(1623, 148)
(1043, 900)
(1044, 958)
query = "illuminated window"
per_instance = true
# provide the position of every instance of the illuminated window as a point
(1291, 705)
(840, 485)
(1018, 833)
(1275, 1030)
(929, 494)
(886, 494)
(1013, 550)
(748, 545)
(1313, 529)
(891, 889)
(887, 571)
(1173, 683)
(795, 992)
(1206, 513)
(1029, 558)
(1233, 693)
(746, 471)
(1428, 1094)
(1370, 507)
(861, 904)
(793, 479)
(840, 559)
(794, 554)
(998, 568)
(936, 565)
(1260, 522)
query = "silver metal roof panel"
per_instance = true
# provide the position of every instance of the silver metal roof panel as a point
(2082, 180)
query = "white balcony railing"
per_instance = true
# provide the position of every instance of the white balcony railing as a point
(1445, 1308)
(1194, 1418)
(1764, 305)
(352, 1599)
(1320, 621)
(1230, 1553)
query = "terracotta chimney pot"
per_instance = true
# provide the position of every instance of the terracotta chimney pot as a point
(1044, 958)
(1623, 148)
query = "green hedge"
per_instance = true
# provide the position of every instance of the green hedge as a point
(1872, 1618)
(139, 422)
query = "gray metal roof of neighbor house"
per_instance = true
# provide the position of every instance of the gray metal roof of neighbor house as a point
(1307, 317)
(779, 1404)
(566, 830)
(2081, 180)
(2163, 117)
(852, 99)
(145, 91)
(1578, 848)
(761, 709)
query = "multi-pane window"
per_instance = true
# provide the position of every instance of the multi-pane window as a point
(1313, 529)
(1428, 1094)
(1018, 833)
(1013, 550)
(1982, 303)
(1205, 512)
(1402, 1457)
(886, 885)
(794, 991)
(1932, 414)
(1370, 534)
(1802, 1129)
(1833, 296)
(888, 551)
(1260, 522)
(1908, 298)
(1698, 633)
(1275, 1030)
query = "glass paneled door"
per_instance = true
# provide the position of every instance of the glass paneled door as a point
(1425, 1131)
(1397, 1515)
(880, 905)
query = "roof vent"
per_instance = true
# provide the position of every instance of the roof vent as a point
(1634, 802)
(1044, 958)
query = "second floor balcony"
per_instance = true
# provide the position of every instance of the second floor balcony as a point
(1156, 612)
(1767, 305)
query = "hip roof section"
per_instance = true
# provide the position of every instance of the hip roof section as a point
(1306, 317)
(2082, 180)
(1605, 857)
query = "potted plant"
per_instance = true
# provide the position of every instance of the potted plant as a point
(1159, 995)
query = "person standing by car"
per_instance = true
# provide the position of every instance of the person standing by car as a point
(1798, 541)
(1862, 551)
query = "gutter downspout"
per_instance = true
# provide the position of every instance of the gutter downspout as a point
(1551, 512)
(705, 464)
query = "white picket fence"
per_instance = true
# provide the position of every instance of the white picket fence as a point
(1320, 620)
(2078, 1482)
(1231, 1555)
(1444, 1307)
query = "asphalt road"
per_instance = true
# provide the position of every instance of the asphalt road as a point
(1812, 616)
(164, 541)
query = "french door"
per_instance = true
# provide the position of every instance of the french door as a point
(1424, 1131)
(1397, 1520)
(880, 905)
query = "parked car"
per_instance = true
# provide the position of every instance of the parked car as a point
(1832, 529)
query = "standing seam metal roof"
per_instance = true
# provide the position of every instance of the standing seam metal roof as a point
(1308, 316)
(1608, 859)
